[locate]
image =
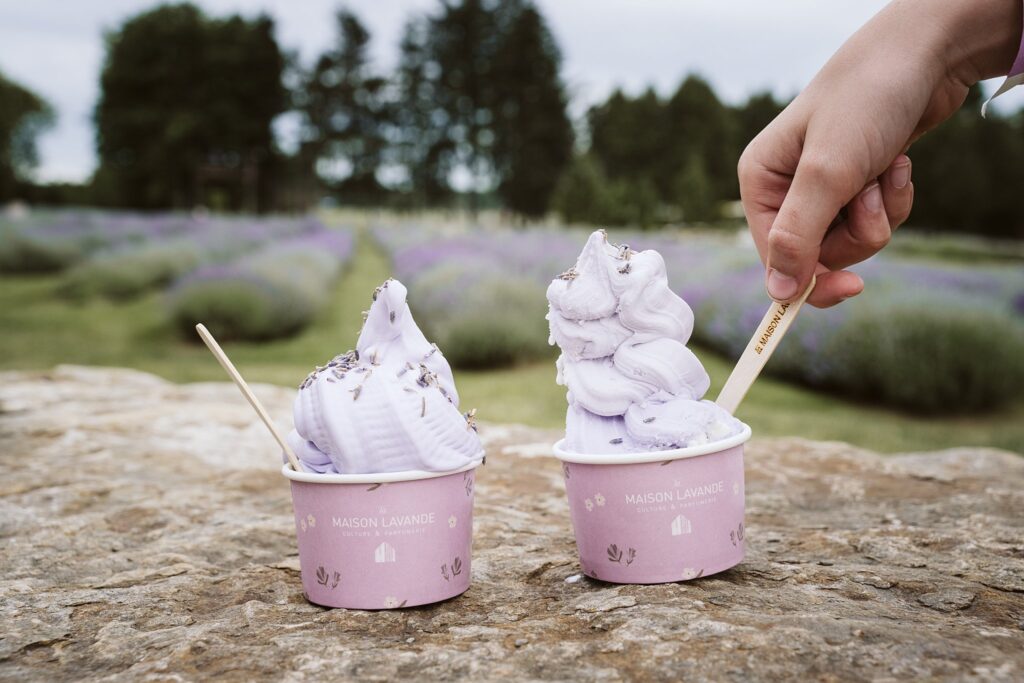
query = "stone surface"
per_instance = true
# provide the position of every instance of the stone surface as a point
(147, 534)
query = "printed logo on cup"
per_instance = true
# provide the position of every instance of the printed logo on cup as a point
(675, 498)
(385, 552)
(681, 525)
(384, 524)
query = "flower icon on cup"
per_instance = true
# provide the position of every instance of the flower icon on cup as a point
(690, 573)
(311, 521)
(735, 488)
(391, 602)
(302, 523)
(590, 505)
(599, 500)
(452, 521)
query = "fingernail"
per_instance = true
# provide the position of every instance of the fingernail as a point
(901, 175)
(781, 287)
(872, 198)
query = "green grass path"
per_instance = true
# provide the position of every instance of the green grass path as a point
(38, 330)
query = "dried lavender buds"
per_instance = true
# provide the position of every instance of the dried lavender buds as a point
(338, 367)
(426, 378)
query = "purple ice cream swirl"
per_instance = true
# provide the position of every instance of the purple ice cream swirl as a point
(633, 384)
(390, 405)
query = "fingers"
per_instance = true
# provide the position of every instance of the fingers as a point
(833, 287)
(898, 191)
(871, 218)
(820, 188)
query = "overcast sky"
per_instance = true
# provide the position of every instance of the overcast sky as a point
(742, 46)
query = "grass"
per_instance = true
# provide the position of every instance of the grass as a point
(39, 329)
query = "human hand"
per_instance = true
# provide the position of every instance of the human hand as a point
(827, 182)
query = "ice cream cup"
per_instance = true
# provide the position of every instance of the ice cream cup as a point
(657, 517)
(381, 541)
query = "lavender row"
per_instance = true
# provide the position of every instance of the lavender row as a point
(926, 336)
(272, 292)
(50, 241)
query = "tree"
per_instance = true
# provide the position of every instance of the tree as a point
(756, 113)
(968, 173)
(533, 134)
(628, 135)
(418, 136)
(694, 191)
(582, 192)
(186, 108)
(463, 40)
(345, 115)
(480, 96)
(700, 130)
(23, 116)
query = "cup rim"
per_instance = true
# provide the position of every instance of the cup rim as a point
(382, 478)
(652, 456)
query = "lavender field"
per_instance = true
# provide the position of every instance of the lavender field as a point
(248, 278)
(925, 336)
(105, 289)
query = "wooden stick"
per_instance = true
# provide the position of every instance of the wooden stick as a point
(761, 347)
(229, 367)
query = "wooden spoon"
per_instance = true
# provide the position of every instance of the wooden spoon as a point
(229, 367)
(762, 345)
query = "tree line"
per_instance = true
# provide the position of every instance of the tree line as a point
(475, 114)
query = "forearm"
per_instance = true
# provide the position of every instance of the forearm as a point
(979, 38)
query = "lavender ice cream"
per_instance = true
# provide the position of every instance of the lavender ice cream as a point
(390, 405)
(633, 384)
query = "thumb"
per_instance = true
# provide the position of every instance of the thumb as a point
(817, 193)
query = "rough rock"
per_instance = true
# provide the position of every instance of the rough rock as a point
(147, 534)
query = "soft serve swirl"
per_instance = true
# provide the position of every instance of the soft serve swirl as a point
(388, 406)
(633, 384)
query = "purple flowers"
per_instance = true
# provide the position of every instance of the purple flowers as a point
(271, 292)
(925, 336)
(247, 277)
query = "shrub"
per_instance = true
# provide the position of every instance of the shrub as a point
(482, 320)
(922, 338)
(236, 304)
(930, 360)
(21, 251)
(124, 273)
(270, 293)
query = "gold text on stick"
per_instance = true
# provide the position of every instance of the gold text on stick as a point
(767, 335)
(770, 330)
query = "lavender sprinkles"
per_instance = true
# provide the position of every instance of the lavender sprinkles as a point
(616, 441)
(649, 420)
(569, 275)
(471, 419)
(426, 378)
(338, 366)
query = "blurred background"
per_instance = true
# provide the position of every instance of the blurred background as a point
(262, 165)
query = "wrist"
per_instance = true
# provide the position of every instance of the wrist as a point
(977, 39)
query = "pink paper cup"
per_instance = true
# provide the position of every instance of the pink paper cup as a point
(657, 517)
(382, 541)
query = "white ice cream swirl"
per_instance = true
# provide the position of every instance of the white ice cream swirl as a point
(633, 384)
(388, 406)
